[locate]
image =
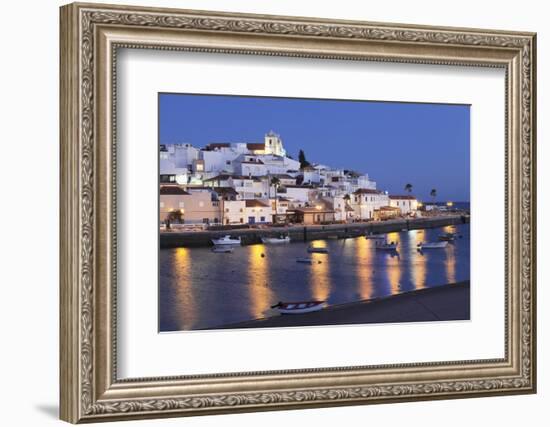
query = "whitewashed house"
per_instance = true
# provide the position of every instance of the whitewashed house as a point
(407, 204)
(258, 211)
(365, 201)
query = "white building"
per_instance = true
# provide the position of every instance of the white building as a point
(258, 212)
(274, 144)
(407, 204)
(233, 212)
(365, 201)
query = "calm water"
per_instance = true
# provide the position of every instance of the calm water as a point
(201, 289)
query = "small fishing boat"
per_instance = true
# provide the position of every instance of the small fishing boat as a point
(375, 236)
(227, 249)
(447, 237)
(385, 246)
(306, 260)
(317, 250)
(227, 240)
(275, 240)
(298, 307)
(432, 245)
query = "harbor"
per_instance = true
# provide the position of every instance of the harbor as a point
(202, 289)
(301, 233)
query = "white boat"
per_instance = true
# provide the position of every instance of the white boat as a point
(222, 249)
(447, 237)
(226, 240)
(298, 307)
(391, 246)
(317, 250)
(375, 236)
(432, 245)
(275, 240)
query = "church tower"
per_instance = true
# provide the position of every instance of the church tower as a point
(274, 144)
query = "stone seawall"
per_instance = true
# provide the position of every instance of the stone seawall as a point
(306, 233)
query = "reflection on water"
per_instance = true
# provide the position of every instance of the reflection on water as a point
(419, 268)
(258, 280)
(320, 279)
(200, 289)
(363, 257)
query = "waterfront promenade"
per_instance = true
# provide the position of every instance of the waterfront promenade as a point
(301, 233)
(447, 302)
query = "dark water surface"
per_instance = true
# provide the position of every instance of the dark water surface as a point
(200, 289)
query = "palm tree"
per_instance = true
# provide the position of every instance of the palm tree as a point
(408, 188)
(175, 216)
(433, 195)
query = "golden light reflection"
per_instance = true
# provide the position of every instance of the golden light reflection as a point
(320, 279)
(184, 289)
(258, 280)
(450, 264)
(393, 237)
(449, 229)
(419, 261)
(363, 253)
(393, 269)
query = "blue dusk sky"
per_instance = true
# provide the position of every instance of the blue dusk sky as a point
(427, 145)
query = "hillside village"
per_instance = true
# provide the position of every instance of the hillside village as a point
(234, 184)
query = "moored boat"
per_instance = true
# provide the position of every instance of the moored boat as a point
(447, 237)
(275, 240)
(317, 250)
(385, 246)
(306, 260)
(432, 245)
(298, 307)
(227, 249)
(227, 240)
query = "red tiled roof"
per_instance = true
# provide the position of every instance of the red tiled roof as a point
(366, 191)
(255, 204)
(172, 190)
(407, 197)
(388, 208)
(255, 146)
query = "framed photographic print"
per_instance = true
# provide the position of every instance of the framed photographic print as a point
(265, 212)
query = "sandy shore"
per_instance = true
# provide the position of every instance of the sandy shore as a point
(447, 302)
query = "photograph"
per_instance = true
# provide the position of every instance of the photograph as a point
(297, 212)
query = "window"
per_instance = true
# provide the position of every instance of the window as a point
(227, 209)
(240, 219)
(205, 221)
(241, 210)
(181, 204)
(262, 219)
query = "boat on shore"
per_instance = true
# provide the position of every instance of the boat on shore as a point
(275, 240)
(432, 245)
(227, 249)
(317, 250)
(298, 307)
(227, 241)
(386, 246)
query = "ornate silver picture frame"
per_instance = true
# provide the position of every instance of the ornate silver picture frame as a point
(90, 387)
